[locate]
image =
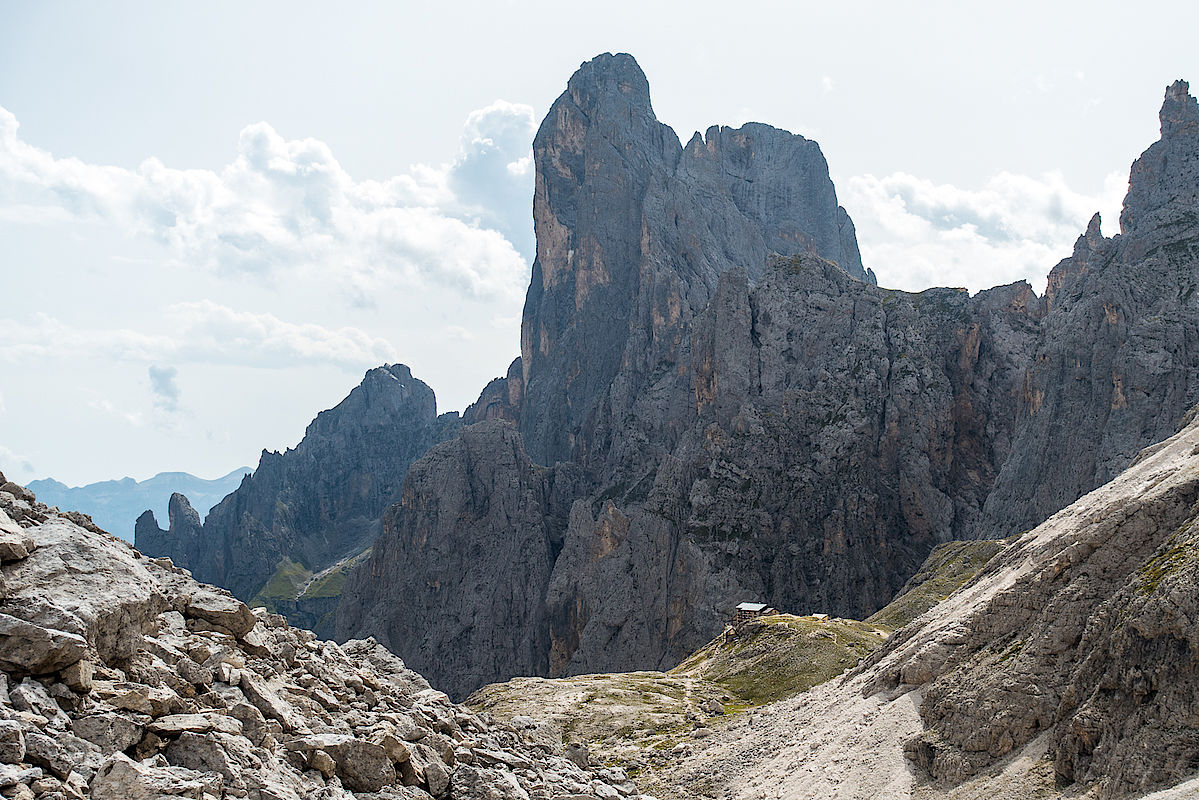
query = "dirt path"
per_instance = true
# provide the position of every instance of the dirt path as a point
(761, 755)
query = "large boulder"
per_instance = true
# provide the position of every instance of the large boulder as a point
(122, 778)
(29, 649)
(87, 584)
(362, 766)
(220, 609)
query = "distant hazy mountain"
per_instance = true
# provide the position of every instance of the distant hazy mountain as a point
(115, 505)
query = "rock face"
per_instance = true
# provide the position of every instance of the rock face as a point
(723, 423)
(122, 678)
(1083, 633)
(633, 233)
(1115, 367)
(474, 508)
(313, 505)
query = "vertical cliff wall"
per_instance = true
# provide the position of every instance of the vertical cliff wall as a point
(731, 409)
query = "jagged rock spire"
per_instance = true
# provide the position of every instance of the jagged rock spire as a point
(1180, 111)
(634, 232)
(1163, 187)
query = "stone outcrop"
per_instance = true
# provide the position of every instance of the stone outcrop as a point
(742, 423)
(1080, 635)
(502, 398)
(183, 538)
(474, 508)
(122, 678)
(317, 503)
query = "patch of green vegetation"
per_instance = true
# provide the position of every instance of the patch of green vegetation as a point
(1011, 651)
(1181, 553)
(778, 656)
(948, 567)
(284, 584)
(332, 582)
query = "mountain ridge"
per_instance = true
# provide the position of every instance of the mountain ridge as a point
(116, 504)
(317, 503)
(697, 419)
(781, 431)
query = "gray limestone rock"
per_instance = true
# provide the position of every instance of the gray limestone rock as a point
(109, 731)
(484, 509)
(12, 742)
(315, 504)
(61, 753)
(633, 233)
(26, 648)
(122, 778)
(721, 423)
(219, 609)
(108, 601)
(475, 783)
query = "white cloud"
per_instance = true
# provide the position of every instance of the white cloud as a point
(492, 178)
(826, 83)
(134, 418)
(206, 333)
(288, 206)
(221, 334)
(164, 388)
(915, 233)
(15, 466)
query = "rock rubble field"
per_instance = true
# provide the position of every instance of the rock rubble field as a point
(122, 678)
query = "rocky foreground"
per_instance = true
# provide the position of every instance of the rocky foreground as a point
(122, 678)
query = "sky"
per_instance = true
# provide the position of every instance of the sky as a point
(214, 218)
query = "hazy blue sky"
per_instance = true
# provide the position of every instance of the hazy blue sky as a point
(214, 217)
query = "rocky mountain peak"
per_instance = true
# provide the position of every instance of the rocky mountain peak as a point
(384, 392)
(314, 504)
(1180, 111)
(634, 234)
(180, 512)
(609, 76)
(183, 536)
(779, 181)
(1163, 187)
(1086, 247)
